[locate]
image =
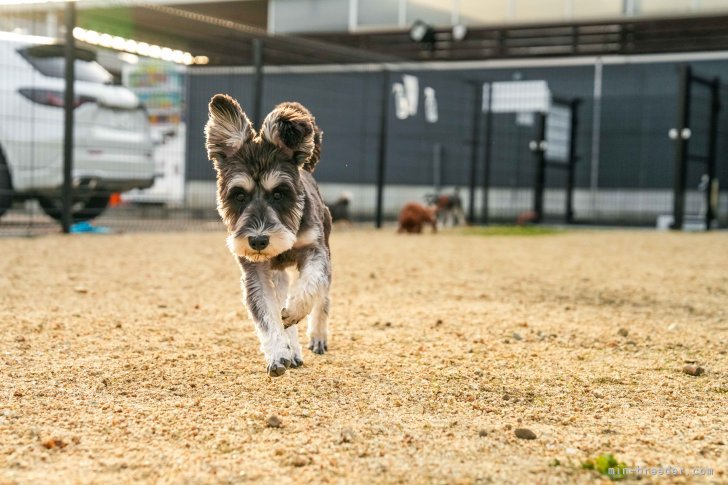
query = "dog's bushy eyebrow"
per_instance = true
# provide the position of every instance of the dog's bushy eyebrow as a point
(275, 178)
(242, 180)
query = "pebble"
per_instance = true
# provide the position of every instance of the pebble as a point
(52, 443)
(525, 434)
(482, 433)
(274, 422)
(347, 435)
(693, 370)
(516, 336)
(80, 289)
(623, 332)
(299, 460)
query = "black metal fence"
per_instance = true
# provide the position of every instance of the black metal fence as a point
(596, 151)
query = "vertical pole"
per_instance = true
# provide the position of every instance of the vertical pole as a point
(68, 102)
(539, 153)
(382, 156)
(712, 152)
(437, 167)
(681, 148)
(484, 216)
(596, 136)
(258, 81)
(572, 161)
(477, 116)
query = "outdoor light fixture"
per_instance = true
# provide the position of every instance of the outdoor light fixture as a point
(137, 48)
(423, 33)
(459, 32)
(25, 2)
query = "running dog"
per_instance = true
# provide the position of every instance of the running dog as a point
(449, 208)
(414, 215)
(276, 221)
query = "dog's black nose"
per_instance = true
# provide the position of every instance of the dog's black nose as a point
(258, 243)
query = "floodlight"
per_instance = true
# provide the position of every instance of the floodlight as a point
(422, 32)
(459, 31)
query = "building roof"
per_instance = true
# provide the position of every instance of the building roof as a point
(223, 32)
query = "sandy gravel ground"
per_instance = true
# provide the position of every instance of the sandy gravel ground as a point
(129, 358)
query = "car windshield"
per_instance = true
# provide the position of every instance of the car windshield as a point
(50, 61)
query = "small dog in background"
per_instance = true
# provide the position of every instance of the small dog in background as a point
(526, 218)
(276, 220)
(414, 215)
(449, 208)
(340, 209)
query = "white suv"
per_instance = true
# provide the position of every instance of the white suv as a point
(113, 149)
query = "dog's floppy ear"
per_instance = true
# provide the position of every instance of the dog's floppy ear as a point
(227, 128)
(292, 128)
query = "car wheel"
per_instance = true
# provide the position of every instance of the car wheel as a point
(81, 210)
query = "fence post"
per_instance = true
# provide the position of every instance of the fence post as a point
(382, 156)
(682, 136)
(572, 161)
(712, 152)
(538, 147)
(68, 102)
(258, 81)
(474, 145)
(484, 216)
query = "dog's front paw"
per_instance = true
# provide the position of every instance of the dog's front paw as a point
(277, 369)
(278, 360)
(318, 345)
(297, 362)
(296, 353)
(289, 319)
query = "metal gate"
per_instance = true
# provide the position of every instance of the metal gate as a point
(554, 151)
(696, 189)
(529, 133)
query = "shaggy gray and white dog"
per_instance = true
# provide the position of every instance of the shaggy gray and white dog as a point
(277, 222)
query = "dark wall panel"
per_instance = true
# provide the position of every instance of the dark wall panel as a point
(638, 108)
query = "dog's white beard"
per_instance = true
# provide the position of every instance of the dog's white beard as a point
(279, 242)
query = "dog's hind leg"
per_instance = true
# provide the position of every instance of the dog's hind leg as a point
(318, 325)
(265, 311)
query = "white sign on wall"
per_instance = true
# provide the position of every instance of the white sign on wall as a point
(406, 96)
(558, 133)
(412, 92)
(516, 97)
(401, 105)
(430, 105)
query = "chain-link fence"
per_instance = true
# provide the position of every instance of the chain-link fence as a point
(500, 138)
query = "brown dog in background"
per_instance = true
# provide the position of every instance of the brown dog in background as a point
(414, 215)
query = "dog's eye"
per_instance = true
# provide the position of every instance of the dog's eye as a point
(277, 195)
(239, 196)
